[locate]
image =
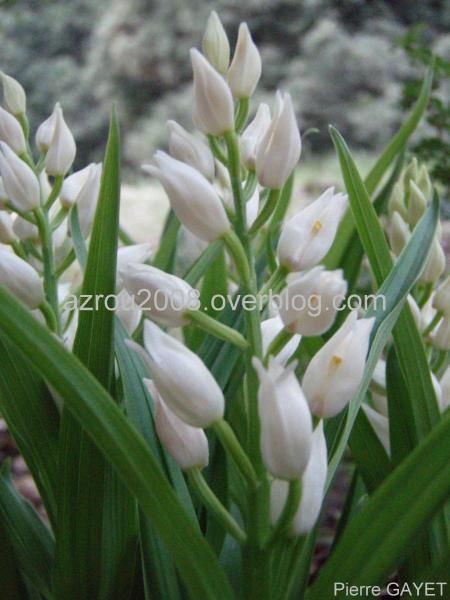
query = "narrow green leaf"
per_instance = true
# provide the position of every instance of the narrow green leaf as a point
(122, 445)
(77, 238)
(30, 539)
(203, 262)
(13, 588)
(165, 257)
(32, 418)
(364, 556)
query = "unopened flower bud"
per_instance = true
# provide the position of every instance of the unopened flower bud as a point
(270, 328)
(134, 253)
(380, 425)
(411, 172)
(72, 186)
(21, 184)
(313, 488)
(86, 199)
(397, 201)
(435, 264)
(417, 203)
(14, 95)
(20, 279)
(441, 297)
(192, 197)
(252, 135)
(399, 233)
(186, 147)
(7, 235)
(280, 147)
(424, 183)
(128, 312)
(445, 387)
(163, 297)
(286, 425)
(11, 132)
(213, 109)
(182, 379)
(308, 235)
(309, 303)
(441, 338)
(415, 310)
(62, 149)
(245, 69)
(44, 133)
(3, 195)
(187, 445)
(252, 208)
(335, 372)
(215, 44)
(25, 230)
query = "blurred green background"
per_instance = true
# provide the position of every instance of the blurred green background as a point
(341, 60)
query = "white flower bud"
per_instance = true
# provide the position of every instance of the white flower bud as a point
(182, 379)
(3, 195)
(445, 387)
(252, 135)
(308, 235)
(20, 279)
(286, 425)
(163, 297)
(411, 172)
(192, 197)
(87, 197)
(380, 425)
(14, 95)
(215, 44)
(245, 69)
(135, 253)
(21, 184)
(44, 133)
(441, 337)
(25, 230)
(399, 233)
(252, 208)
(435, 264)
(424, 183)
(186, 147)
(380, 403)
(379, 376)
(417, 203)
(415, 310)
(313, 488)
(187, 445)
(128, 312)
(72, 186)
(213, 109)
(397, 201)
(335, 372)
(11, 132)
(280, 147)
(441, 297)
(309, 303)
(7, 235)
(270, 328)
(62, 149)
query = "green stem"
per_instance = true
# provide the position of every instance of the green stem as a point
(60, 216)
(266, 211)
(213, 504)
(282, 205)
(18, 249)
(22, 118)
(277, 344)
(275, 281)
(217, 150)
(50, 283)
(437, 317)
(237, 251)
(67, 262)
(49, 315)
(231, 444)
(126, 239)
(426, 294)
(57, 185)
(289, 510)
(241, 113)
(439, 361)
(221, 331)
(250, 185)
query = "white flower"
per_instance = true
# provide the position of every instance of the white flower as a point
(72, 186)
(7, 235)
(20, 183)
(163, 297)
(134, 253)
(25, 230)
(252, 208)
(128, 311)
(441, 298)
(399, 233)
(286, 426)
(252, 135)
(20, 279)
(14, 95)
(245, 69)
(87, 197)
(192, 197)
(308, 235)
(182, 379)
(441, 337)
(215, 44)
(62, 149)
(270, 328)
(313, 487)
(44, 133)
(335, 372)
(11, 132)
(417, 203)
(187, 445)
(186, 147)
(309, 303)
(380, 425)
(279, 148)
(445, 387)
(213, 110)
(435, 264)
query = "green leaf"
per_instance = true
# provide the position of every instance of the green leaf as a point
(33, 420)
(379, 536)
(203, 262)
(122, 445)
(77, 238)
(97, 518)
(13, 588)
(30, 539)
(165, 257)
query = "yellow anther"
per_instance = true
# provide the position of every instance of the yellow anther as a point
(317, 226)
